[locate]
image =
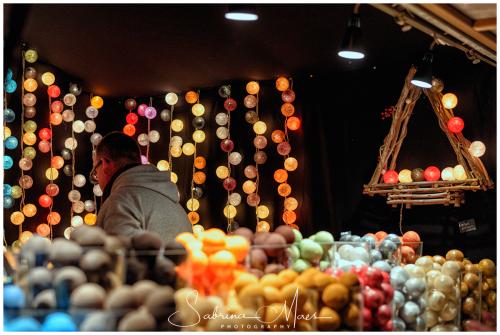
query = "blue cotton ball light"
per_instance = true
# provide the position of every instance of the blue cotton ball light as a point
(8, 201)
(8, 115)
(7, 162)
(11, 142)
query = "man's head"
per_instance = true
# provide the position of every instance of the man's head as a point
(113, 152)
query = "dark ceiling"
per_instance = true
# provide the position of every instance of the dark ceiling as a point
(119, 50)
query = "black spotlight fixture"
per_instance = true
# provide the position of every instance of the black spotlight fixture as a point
(423, 77)
(241, 12)
(351, 47)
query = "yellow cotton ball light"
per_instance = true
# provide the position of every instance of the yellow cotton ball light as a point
(198, 109)
(198, 229)
(25, 236)
(291, 164)
(230, 211)
(222, 172)
(17, 218)
(176, 151)
(30, 85)
(48, 78)
(449, 100)
(259, 127)
(174, 177)
(193, 204)
(249, 187)
(448, 174)
(29, 138)
(188, 149)
(459, 172)
(29, 210)
(163, 165)
(262, 212)
(177, 125)
(51, 173)
(31, 56)
(404, 176)
(90, 218)
(199, 136)
(171, 98)
(253, 87)
(30, 126)
(6, 132)
(17, 192)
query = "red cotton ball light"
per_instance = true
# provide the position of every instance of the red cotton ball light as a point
(227, 145)
(132, 118)
(45, 201)
(391, 177)
(54, 91)
(432, 173)
(455, 124)
(45, 134)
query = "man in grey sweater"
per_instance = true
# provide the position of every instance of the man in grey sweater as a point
(136, 197)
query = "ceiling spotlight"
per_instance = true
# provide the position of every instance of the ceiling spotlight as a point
(241, 12)
(423, 77)
(350, 47)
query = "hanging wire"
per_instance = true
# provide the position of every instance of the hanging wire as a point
(23, 191)
(50, 165)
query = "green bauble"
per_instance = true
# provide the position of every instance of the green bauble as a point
(310, 250)
(294, 252)
(300, 265)
(298, 236)
(325, 239)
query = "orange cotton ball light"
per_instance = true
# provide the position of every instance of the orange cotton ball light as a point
(129, 129)
(43, 229)
(193, 217)
(282, 84)
(199, 177)
(97, 102)
(287, 109)
(55, 119)
(53, 218)
(277, 136)
(293, 123)
(284, 189)
(200, 162)
(57, 162)
(280, 175)
(253, 87)
(191, 97)
(391, 177)
(289, 217)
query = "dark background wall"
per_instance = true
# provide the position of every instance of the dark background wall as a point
(337, 149)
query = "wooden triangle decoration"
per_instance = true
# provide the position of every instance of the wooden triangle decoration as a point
(425, 192)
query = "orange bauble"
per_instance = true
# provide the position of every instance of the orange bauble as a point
(280, 175)
(411, 238)
(200, 162)
(408, 254)
(199, 177)
(284, 189)
(238, 246)
(287, 109)
(213, 240)
(199, 261)
(191, 97)
(193, 217)
(185, 238)
(282, 84)
(222, 259)
(380, 235)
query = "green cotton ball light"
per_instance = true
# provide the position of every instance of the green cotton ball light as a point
(310, 250)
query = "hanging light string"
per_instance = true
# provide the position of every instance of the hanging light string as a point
(260, 142)
(73, 163)
(170, 162)
(51, 170)
(149, 130)
(199, 162)
(23, 191)
(282, 139)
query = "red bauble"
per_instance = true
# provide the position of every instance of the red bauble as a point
(230, 104)
(132, 118)
(227, 145)
(53, 91)
(45, 134)
(367, 319)
(391, 177)
(384, 314)
(455, 124)
(373, 277)
(388, 292)
(432, 173)
(45, 201)
(373, 298)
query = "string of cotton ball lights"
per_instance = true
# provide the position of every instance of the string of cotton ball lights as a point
(281, 138)
(227, 145)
